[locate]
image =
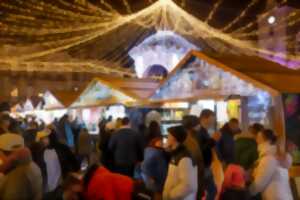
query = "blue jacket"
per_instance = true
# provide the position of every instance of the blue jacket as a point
(155, 166)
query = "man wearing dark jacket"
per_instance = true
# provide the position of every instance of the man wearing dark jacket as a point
(207, 120)
(225, 146)
(127, 149)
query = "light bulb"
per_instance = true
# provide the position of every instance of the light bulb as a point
(271, 20)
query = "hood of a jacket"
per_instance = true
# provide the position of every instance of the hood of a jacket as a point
(266, 149)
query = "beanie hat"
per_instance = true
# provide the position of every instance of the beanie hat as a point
(11, 142)
(42, 134)
(234, 176)
(178, 132)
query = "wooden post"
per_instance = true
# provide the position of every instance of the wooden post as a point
(244, 114)
(278, 121)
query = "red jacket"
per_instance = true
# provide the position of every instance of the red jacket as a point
(106, 185)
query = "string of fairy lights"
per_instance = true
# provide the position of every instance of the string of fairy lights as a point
(43, 28)
(242, 14)
(213, 11)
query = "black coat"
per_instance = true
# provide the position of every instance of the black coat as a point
(206, 144)
(127, 147)
(226, 144)
(234, 194)
(67, 158)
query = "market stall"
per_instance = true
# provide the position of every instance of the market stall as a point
(99, 99)
(199, 77)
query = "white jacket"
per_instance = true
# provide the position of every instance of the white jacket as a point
(270, 178)
(182, 181)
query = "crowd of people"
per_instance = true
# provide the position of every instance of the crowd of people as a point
(61, 161)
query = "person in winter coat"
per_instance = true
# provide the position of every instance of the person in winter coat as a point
(127, 148)
(101, 184)
(225, 146)
(207, 120)
(23, 181)
(30, 133)
(155, 166)
(234, 185)
(181, 182)
(270, 178)
(48, 161)
(190, 122)
(66, 134)
(66, 157)
(245, 148)
(105, 134)
(85, 146)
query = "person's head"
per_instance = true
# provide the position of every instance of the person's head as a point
(189, 122)
(234, 125)
(255, 128)
(125, 121)
(156, 142)
(234, 177)
(176, 136)
(72, 188)
(266, 136)
(43, 137)
(154, 127)
(4, 121)
(207, 118)
(10, 142)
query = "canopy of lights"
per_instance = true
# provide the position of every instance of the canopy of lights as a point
(94, 36)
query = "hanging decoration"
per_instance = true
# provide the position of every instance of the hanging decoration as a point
(35, 32)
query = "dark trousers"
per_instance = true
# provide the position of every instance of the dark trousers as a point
(209, 185)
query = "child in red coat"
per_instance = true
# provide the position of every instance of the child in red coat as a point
(234, 185)
(101, 184)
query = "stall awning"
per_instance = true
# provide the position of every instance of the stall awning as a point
(102, 93)
(274, 75)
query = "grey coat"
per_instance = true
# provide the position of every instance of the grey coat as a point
(24, 182)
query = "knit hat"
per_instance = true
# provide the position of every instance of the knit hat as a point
(11, 142)
(234, 177)
(42, 134)
(178, 132)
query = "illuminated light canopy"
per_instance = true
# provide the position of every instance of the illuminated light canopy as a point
(64, 25)
(164, 48)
